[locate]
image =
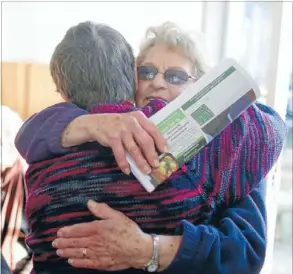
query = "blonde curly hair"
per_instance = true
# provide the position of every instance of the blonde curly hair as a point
(173, 36)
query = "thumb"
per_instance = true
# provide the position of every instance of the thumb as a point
(102, 210)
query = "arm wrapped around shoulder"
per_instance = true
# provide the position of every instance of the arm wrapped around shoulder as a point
(243, 154)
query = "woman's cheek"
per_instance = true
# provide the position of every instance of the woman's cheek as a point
(173, 94)
(140, 96)
(139, 101)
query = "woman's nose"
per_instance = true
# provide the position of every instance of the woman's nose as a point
(159, 82)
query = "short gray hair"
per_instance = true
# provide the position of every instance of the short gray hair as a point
(173, 36)
(93, 64)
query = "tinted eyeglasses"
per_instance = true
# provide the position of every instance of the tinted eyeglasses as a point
(172, 76)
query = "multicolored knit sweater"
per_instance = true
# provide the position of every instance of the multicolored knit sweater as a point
(225, 171)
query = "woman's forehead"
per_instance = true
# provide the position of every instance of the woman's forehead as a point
(161, 55)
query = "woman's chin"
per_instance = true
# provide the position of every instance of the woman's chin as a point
(141, 103)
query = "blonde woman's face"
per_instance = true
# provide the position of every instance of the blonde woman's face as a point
(164, 73)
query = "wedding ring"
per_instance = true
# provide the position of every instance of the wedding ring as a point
(84, 252)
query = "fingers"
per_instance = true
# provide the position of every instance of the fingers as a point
(70, 253)
(85, 252)
(101, 263)
(97, 263)
(78, 230)
(73, 252)
(120, 156)
(100, 210)
(140, 138)
(75, 243)
(103, 211)
(148, 148)
(134, 151)
(153, 131)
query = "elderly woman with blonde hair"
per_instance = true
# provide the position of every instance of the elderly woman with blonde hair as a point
(210, 219)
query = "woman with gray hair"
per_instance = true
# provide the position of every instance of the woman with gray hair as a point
(229, 236)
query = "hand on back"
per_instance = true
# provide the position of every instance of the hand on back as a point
(132, 132)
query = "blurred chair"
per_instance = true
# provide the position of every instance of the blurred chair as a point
(4, 266)
(12, 192)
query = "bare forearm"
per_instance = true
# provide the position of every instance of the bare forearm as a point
(131, 131)
(168, 248)
(76, 133)
(91, 127)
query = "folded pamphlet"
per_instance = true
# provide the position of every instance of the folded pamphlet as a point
(199, 114)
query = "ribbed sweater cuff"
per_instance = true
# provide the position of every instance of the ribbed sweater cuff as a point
(187, 254)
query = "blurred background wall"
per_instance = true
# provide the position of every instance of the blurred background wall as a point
(257, 34)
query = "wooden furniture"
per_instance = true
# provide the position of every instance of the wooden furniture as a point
(27, 87)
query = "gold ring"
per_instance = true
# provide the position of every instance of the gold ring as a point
(84, 252)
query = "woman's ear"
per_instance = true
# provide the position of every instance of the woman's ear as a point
(65, 98)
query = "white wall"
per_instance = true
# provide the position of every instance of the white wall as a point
(31, 30)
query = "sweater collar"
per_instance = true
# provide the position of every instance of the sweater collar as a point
(123, 106)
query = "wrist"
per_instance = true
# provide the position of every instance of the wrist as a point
(77, 132)
(168, 248)
(144, 251)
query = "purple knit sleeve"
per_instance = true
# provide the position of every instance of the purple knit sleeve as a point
(258, 137)
(39, 137)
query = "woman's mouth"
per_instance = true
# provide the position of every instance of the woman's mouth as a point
(154, 98)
